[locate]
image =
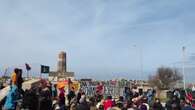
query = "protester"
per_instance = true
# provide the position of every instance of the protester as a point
(54, 91)
(14, 77)
(19, 82)
(108, 103)
(92, 103)
(31, 99)
(176, 103)
(100, 104)
(61, 98)
(71, 95)
(120, 102)
(13, 94)
(11, 98)
(83, 105)
(129, 105)
(45, 99)
(150, 95)
(143, 105)
(78, 96)
(157, 105)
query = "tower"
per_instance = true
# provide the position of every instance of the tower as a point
(61, 72)
(61, 62)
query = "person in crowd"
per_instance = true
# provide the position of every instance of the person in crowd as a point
(176, 92)
(45, 98)
(83, 105)
(187, 105)
(92, 103)
(182, 102)
(100, 104)
(120, 102)
(11, 98)
(55, 105)
(157, 105)
(99, 89)
(143, 105)
(78, 95)
(150, 95)
(31, 99)
(61, 98)
(108, 103)
(19, 81)
(73, 104)
(173, 104)
(14, 77)
(126, 93)
(71, 95)
(13, 94)
(128, 105)
(54, 91)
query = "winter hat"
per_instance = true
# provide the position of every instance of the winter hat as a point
(83, 99)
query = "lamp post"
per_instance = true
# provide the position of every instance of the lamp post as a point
(140, 60)
(183, 66)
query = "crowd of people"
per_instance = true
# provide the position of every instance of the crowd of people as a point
(47, 96)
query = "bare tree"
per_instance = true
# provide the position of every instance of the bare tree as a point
(165, 78)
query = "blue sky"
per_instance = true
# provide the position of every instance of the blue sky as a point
(98, 35)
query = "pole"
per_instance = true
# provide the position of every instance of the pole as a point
(183, 67)
(40, 75)
(27, 74)
(141, 66)
(5, 72)
(141, 63)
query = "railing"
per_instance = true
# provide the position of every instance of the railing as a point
(25, 85)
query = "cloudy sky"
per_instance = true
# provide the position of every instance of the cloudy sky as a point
(99, 36)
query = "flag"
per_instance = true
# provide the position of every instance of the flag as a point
(28, 68)
(44, 69)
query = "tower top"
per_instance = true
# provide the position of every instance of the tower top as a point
(62, 55)
(62, 52)
(62, 62)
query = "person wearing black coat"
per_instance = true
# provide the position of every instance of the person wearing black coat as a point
(83, 104)
(157, 105)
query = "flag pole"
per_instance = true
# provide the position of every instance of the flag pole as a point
(40, 75)
(183, 67)
(27, 74)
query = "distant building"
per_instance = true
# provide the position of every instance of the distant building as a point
(61, 72)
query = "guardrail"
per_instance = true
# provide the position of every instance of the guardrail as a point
(26, 85)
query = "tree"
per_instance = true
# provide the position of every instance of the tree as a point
(165, 78)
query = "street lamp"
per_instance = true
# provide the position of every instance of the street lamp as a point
(183, 66)
(140, 59)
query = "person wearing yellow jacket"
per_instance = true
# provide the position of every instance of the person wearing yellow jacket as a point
(14, 76)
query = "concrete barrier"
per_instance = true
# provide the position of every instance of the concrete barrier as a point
(26, 85)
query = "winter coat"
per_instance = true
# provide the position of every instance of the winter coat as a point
(83, 106)
(157, 106)
(107, 104)
(11, 98)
